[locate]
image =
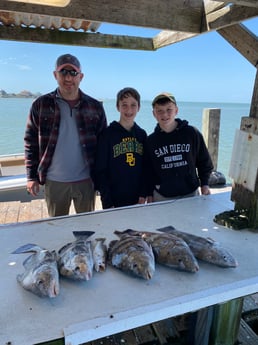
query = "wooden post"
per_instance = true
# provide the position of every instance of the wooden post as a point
(210, 130)
(226, 322)
(244, 198)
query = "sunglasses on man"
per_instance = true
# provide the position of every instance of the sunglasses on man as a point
(72, 72)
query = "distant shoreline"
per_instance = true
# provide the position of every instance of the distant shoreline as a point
(22, 94)
(18, 96)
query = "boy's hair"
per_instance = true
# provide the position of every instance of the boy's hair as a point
(127, 92)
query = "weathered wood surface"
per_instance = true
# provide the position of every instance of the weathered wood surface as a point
(244, 198)
(178, 20)
(16, 211)
(210, 130)
(170, 15)
(242, 40)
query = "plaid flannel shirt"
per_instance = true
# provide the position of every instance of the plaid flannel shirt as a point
(42, 132)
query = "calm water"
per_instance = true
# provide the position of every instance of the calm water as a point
(13, 115)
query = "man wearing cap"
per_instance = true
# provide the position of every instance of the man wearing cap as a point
(60, 142)
(177, 159)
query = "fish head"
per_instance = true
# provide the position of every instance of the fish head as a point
(142, 265)
(186, 261)
(99, 263)
(219, 256)
(78, 267)
(43, 281)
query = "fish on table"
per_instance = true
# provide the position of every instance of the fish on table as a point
(99, 251)
(41, 275)
(168, 249)
(132, 254)
(75, 259)
(205, 249)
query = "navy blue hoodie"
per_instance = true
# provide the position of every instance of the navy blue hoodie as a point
(119, 165)
(177, 162)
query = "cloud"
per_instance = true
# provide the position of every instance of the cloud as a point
(24, 67)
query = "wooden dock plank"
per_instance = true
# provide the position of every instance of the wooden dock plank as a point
(246, 335)
(44, 209)
(12, 212)
(144, 334)
(25, 212)
(16, 211)
(3, 210)
(36, 209)
(166, 330)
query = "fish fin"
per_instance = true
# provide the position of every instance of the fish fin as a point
(88, 244)
(27, 248)
(54, 254)
(168, 229)
(19, 278)
(100, 239)
(130, 232)
(119, 233)
(29, 261)
(210, 240)
(67, 245)
(83, 234)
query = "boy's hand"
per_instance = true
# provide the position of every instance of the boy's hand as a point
(205, 190)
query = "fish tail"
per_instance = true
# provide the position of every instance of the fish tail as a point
(167, 229)
(27, 248)
(127, 232)
(83, 234)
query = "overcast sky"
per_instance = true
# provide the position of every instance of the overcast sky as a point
(204, 68)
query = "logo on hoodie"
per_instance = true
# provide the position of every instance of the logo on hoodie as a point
(130, 159)
(129, 147)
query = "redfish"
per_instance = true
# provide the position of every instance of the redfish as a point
(205, 249)
(75, 259)
(133, 255)
(41, 275)
(169, 250)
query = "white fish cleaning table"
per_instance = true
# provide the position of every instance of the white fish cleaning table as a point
(112, 301)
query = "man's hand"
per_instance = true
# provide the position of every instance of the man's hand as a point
(33, 188)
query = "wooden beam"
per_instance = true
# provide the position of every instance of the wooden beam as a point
(212, 5)
(254, 102)
(162, 14)
(242, 40)
(75, 38)
(230, 15)
(251, 3)
(165, 38)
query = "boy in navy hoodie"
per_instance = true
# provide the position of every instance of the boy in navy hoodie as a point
(177, 159)
(119, 164)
